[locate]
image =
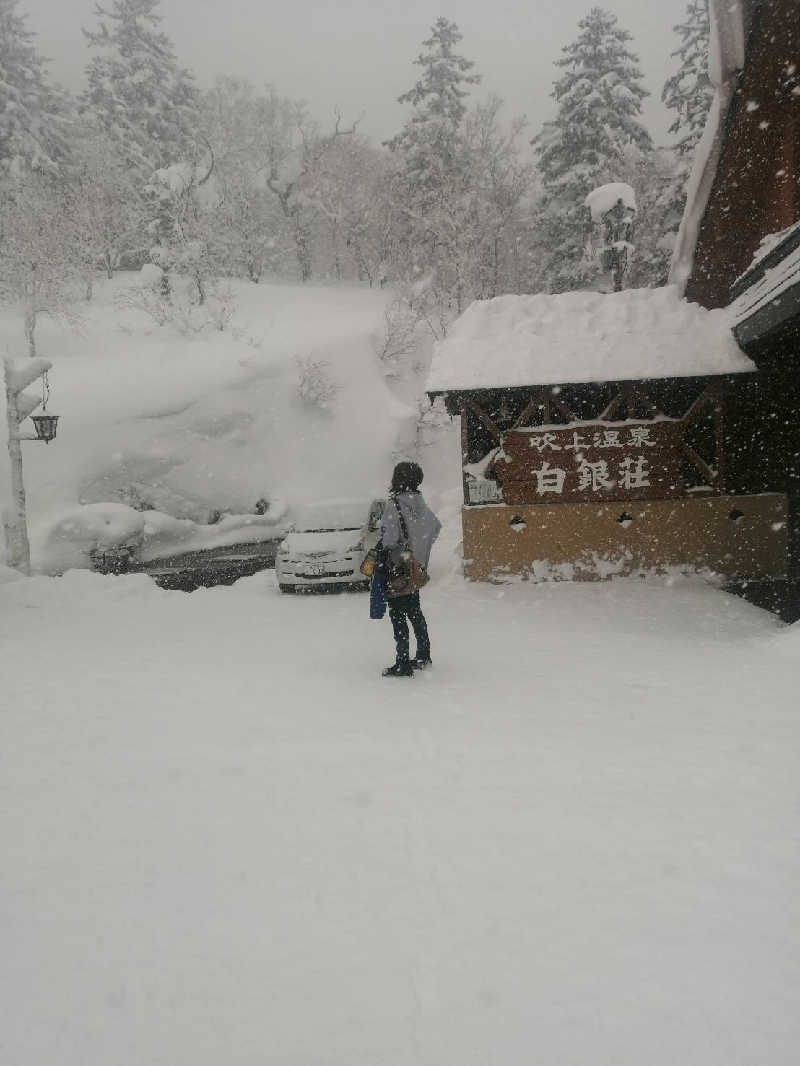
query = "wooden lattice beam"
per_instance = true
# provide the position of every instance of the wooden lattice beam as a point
(699, 464)
(485, 421)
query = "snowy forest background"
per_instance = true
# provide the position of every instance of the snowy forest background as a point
(145, 170)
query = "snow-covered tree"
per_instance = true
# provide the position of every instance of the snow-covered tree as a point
(42, 269)
(295, 166)
(500, 183)
(434, 175)
(267, 143)
(251, 231)
(34, 115)
(348, 190)
(369, 213)
(599, 98)
(427, 140)
(659, 184)
(688, 91)
(182, 205)
(137, 92)
(105, 202)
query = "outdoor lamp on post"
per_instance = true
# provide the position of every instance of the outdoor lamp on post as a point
(19, 406)
(45, 427)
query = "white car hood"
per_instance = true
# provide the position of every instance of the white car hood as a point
(334, 543)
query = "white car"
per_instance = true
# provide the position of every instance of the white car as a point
(327, 545)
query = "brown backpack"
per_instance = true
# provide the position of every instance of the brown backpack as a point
(407, 575)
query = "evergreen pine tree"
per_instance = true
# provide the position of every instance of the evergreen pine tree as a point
(596, 128)
(433, 163)
(688, 92)
(659, 188)
(33, 114)
(137, 92)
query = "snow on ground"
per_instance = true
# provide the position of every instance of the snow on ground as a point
(227, 839)
(191, 425)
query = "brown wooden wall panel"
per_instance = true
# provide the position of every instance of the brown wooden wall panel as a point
(738, 536)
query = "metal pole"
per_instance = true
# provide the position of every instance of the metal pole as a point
(15, 524)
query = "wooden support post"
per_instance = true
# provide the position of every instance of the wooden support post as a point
(464, 451)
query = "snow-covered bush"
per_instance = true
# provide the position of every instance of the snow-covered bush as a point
(146, 295)
(220, 306)
(400, 334)
(171, 302)
(315, 386)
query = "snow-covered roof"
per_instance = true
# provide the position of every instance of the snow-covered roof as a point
(726, 58)
(768, 244)
(581, 337)
(776, 279)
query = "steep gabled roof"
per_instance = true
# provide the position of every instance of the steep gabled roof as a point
(730, 21)
(743, 186)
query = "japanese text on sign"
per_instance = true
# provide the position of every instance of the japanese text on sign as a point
(586, 461)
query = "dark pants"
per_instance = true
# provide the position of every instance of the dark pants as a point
(402, 610)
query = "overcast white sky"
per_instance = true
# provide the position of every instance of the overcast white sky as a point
(358, 54)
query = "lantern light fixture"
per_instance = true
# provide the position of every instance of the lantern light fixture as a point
(45, 426)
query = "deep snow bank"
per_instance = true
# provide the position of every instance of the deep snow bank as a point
(213, 422)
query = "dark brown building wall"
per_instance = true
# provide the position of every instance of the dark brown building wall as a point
(757, 187)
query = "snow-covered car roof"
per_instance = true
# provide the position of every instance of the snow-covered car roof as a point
(577, 337)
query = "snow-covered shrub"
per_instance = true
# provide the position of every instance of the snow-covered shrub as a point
(433, 421)
(400, 334)
(315, 386)
(151, 276)
(418, 308)
(174, 302)
(147, 298)
(220, 306)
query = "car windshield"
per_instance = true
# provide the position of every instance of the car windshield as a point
(337, 516)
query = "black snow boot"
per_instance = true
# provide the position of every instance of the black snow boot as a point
(399, 670)
(420, 664)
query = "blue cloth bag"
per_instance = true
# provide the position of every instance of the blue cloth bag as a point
(377, 588)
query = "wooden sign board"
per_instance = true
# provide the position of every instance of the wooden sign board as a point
(592, 461)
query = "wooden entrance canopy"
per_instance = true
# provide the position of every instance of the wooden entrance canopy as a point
(582, 478)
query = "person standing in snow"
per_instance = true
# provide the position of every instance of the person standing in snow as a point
(408, 524)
